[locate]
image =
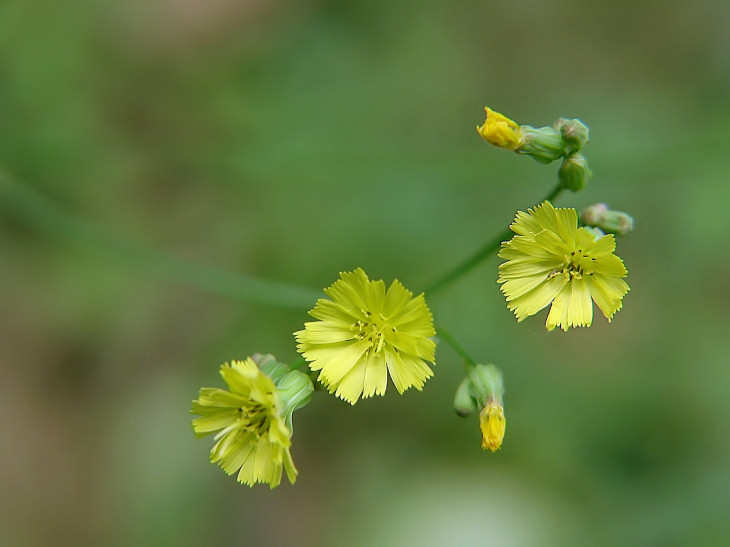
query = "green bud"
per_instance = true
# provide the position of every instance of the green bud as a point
(486, 383)
(543, 145)
(615, 222)
(574, 173)
(618, 222)
(574, 132)
(593, 215)
(464, 402)
(483, 383)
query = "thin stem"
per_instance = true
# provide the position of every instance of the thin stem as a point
(445, 335)
(489, 248)
(29, 207)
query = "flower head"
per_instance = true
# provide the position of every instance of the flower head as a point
(492, 423)
(252, 437)
(365, 333)
(499, 130)
(551, 260)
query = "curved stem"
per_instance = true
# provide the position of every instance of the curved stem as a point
(29, 207)
(445, 335)
(489, 248)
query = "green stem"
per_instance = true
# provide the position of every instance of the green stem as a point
(445, 335)
(29, 207)
(489, 248)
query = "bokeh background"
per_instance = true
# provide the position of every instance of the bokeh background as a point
(154, 153)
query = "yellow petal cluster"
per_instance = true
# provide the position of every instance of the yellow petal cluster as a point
(364, 333)
(492, 423)
(552, 261)
(499, 130)
(252, 437)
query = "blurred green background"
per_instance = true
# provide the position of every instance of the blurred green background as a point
(149, 145)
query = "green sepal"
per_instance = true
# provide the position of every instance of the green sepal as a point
(544, 144)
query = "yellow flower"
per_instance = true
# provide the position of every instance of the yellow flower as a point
(500, 131)
(364, 333)
(252, 437)
(492, 424)
(551, 260)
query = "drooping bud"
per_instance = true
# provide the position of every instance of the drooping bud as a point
(492, 423)
(486, 382)
(464, 402)
(483, 389)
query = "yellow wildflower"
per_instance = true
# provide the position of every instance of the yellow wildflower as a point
(252, 436)
(365, 333)
(551, 260)
(499, 130)
(492, 423)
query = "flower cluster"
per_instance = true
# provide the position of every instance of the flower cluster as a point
(564, 139)
(364, 332)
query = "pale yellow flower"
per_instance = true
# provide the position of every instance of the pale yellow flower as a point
(551, 260)
(492, 423)
(499, 130)
(365, 333)
(252, 437)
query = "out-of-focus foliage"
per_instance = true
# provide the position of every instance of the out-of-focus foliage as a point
(293, 140)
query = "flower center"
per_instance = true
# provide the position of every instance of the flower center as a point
(254, 418)
(371, 330)
(577, 264)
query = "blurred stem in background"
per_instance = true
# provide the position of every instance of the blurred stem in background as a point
(29, 207)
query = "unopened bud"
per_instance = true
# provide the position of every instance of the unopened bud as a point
(482, 389)
(464, 402)
(486, 383)
(492, 423)
(574, 132)
(543, 144)
(574, 173)
(499, 130)
(615, 222)
(593, 215)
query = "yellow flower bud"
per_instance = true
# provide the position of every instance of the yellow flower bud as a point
(493, 424)
(500, 131)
